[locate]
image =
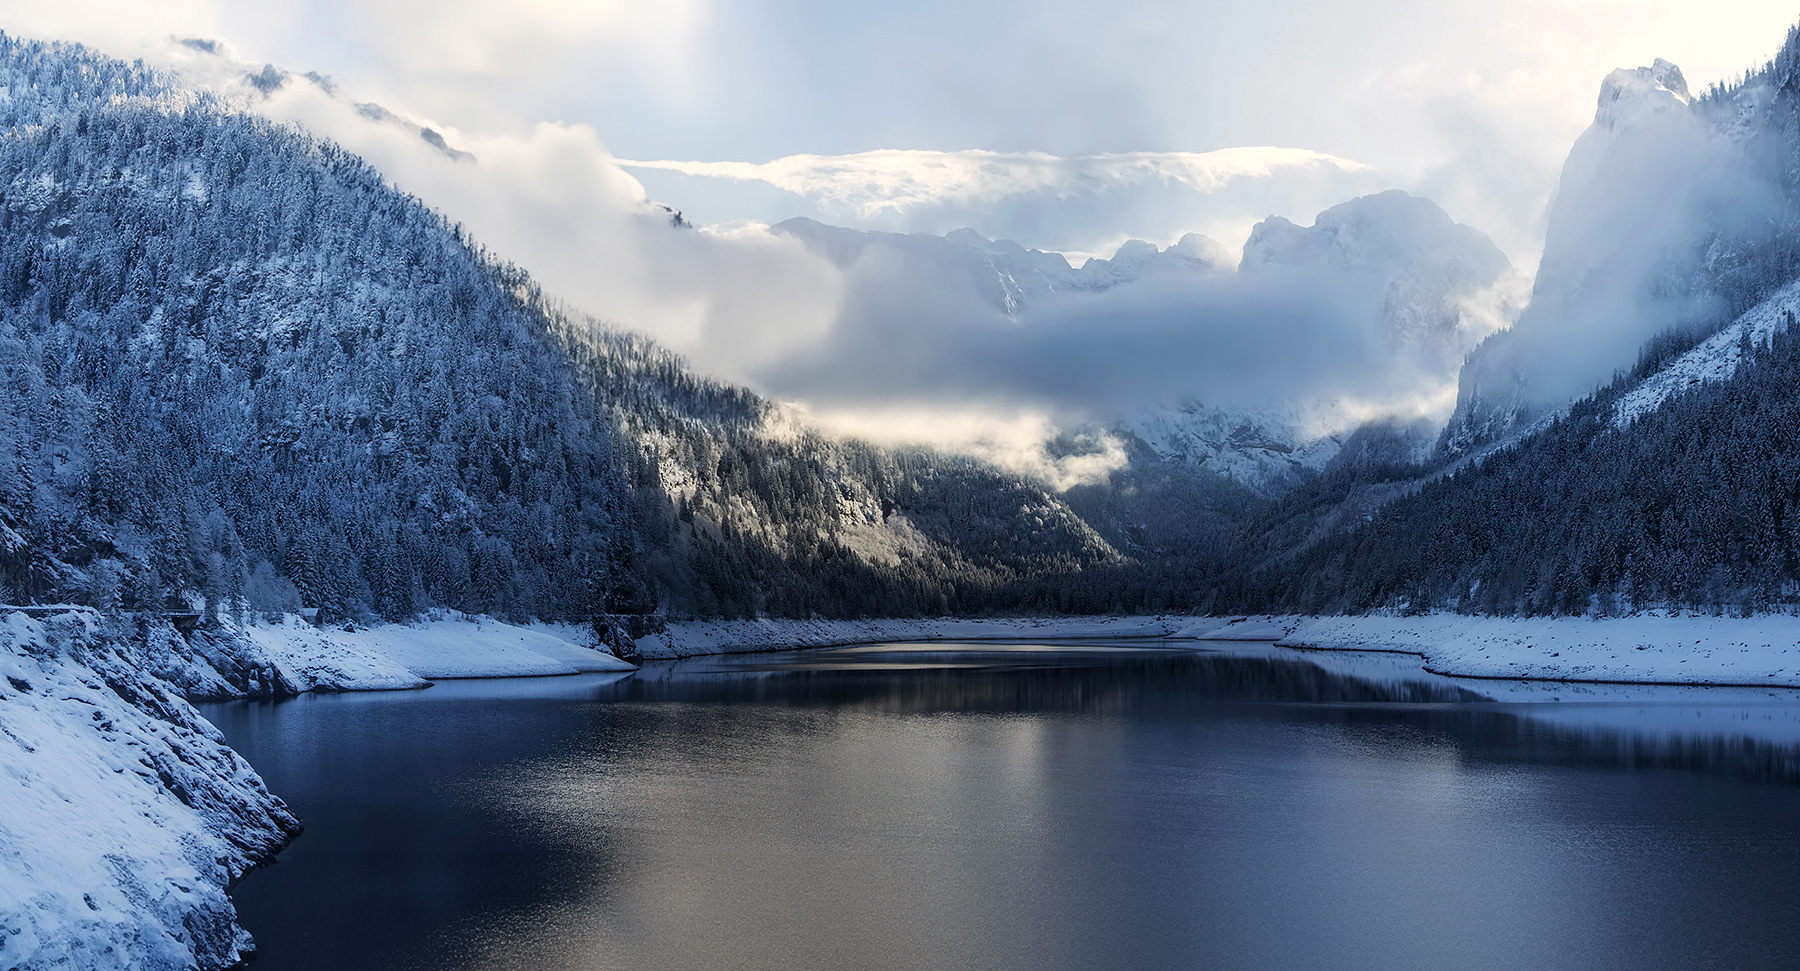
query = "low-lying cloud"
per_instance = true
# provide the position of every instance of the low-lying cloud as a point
(1083, 204)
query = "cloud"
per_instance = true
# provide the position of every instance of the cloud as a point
(1667, 218)
(1083, 204)
(1025, 441)
(871, 183)
(1369, 311)
(553, 201)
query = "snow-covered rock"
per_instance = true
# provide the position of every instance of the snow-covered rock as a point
(1634, 96)
(123, 815)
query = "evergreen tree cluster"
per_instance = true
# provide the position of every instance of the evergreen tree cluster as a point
(1694, 505)
(239, 369)
(742, 510)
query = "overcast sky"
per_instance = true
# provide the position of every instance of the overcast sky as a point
(1067, 126)
(1471, 102)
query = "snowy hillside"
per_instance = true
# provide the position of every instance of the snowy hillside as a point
(1267, 450)
(1715, 360)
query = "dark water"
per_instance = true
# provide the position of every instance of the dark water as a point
(1032, 808)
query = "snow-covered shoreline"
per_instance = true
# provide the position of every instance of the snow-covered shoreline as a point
(413, 654)
(124, 816)
(1757, 651)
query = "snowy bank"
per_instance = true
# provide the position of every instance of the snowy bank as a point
(694, 638)
(409, 655)
(1762, 651)
(123, 815)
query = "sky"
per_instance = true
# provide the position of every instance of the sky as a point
(1471, 101)
(1066, 126)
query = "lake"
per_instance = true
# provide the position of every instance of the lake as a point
(1118, 805)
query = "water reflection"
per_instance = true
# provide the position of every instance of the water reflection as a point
(1025, 806)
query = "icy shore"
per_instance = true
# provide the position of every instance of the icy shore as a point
(410, 655)
(124, 816)
(1759, 651)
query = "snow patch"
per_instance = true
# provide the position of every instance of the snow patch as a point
(1715, 360)
(446, 645)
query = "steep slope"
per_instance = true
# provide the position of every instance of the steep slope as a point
(124, 816)
(246, 375)
(741, 509)
(1674, 215)
(241, 369)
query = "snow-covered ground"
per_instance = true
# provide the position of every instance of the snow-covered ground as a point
(123, 815)
(409, 655)
(1762, 651)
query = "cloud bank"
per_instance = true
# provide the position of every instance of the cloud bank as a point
(1082, 204)
(1370, 309)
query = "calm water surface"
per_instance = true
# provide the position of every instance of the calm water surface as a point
(1031, 807)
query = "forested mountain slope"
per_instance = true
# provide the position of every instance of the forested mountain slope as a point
(1678, 485)
(242, 370)
(240, 367)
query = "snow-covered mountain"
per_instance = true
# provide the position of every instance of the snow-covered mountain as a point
(1674, 214)
(1009, 277)
(1429, 264)
(1267, 450)
(1395, 270)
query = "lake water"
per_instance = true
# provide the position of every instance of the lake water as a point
(1031, 807)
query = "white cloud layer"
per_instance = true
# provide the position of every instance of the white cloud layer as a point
(871, 183)
(1094, 202)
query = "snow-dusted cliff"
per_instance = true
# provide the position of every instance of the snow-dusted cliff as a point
(1673, 215)
(123, 815)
